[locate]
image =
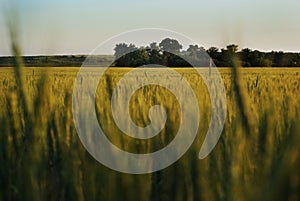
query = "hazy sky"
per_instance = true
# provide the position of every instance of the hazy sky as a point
(78, 26)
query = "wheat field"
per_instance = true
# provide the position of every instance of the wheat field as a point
(256, 158)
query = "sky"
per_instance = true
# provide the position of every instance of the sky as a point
(78, 26)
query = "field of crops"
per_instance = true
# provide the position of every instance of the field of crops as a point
(257, 157)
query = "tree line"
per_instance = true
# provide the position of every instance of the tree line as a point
(169, 52)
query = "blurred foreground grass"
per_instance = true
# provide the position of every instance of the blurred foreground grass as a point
(257, 157)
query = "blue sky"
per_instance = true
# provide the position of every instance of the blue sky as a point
(78, 26)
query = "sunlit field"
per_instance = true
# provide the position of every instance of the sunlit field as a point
(256, 158)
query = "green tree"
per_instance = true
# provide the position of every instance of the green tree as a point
(228, 55)
(130, 56)
(122, 49)
(154, 46)
(245, 56)
(215, 54)
(232, 49)
(170, 45)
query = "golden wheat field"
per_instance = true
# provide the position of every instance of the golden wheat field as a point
(256, 158)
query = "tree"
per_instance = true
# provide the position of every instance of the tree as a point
(130, 56)
(232, 49)
(245, 56)
(198, 56)
(214, 53)
(122, 49)
(192, 52)
(154, 46)
(257, 59)
(155, 54)
(170, 45)
(193, 49)
(228, 55)
(168, 53)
